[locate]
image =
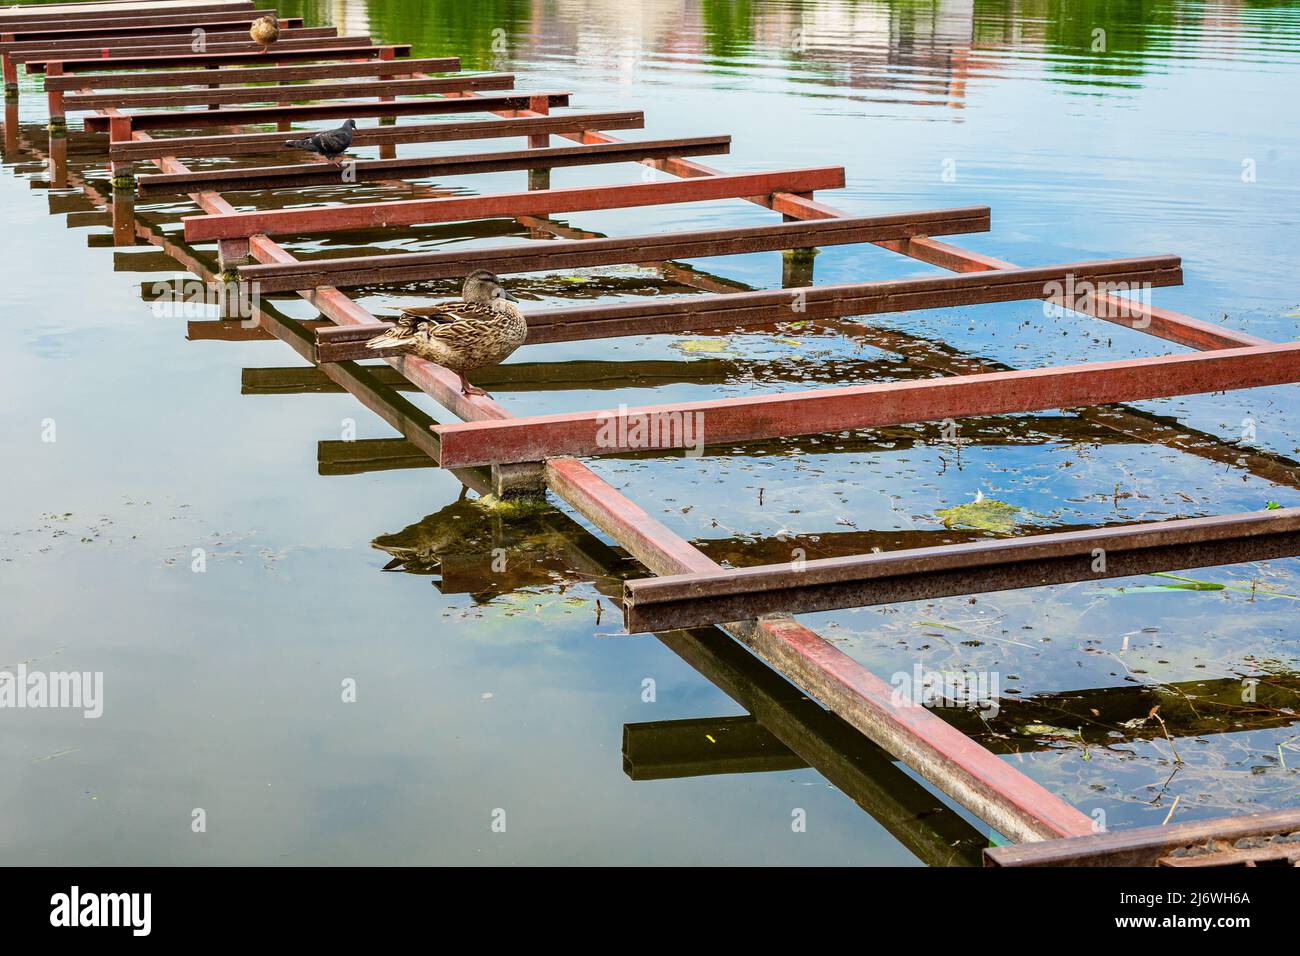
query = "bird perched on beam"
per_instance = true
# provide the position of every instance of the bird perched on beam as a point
(331, 144)
(483, 328)
(266, 30)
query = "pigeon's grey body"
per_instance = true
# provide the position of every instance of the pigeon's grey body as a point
(331, 143)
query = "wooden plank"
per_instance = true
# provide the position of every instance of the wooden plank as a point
(866, 406)
(289, 92)
(177, 23)
(513, 205)
(735, 310)
(250, 74)
(186, 119)
(328, 51)
(108, 47)
(315, 174)
(1145, 845)
(584, 253)
(866, 580)
(243, 144)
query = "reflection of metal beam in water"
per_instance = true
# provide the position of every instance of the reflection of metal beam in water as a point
(1102, 716)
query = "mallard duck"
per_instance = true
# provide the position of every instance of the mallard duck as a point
(266, 30)
(483, 328)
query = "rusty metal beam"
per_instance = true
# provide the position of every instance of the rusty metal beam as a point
(317, 174)
(538, 202)
(242, 144)
(738, 309)
(218, 40)
(430, 106)
(218, 76)
(582, 253)
(655, 604)
(864, 406)
(291, 92)
(126, 27)
(352, 49)
(1147, 845)
(25, 18)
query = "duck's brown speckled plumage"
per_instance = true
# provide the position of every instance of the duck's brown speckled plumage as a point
(265, 30)
(482, 328)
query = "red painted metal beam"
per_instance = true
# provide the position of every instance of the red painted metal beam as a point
(432, 106)
(28, 17)
(241, 144)
(249, 74)
(362, 49)
(419, 167)
(216, 40)
(536, 203)
(584, 253)
(176, 24)
(753, 417)
(738, 309)
(290, 92)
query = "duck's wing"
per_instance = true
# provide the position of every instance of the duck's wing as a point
(454, 323)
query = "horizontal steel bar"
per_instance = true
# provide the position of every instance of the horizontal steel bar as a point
(865, 406)
(654, 604)
(282, 55)
(581, 253)
(177, 23)
(432, 106)
(513, 205)
(249, 74)
(18, 18)
(216, 40)
(289, 92)
(805, 303)
(315, 174)
(1143, 846)
(242, 144)
(1163, 323)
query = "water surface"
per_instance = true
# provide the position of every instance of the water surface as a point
(481, 690)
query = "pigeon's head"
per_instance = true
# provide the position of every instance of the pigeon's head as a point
(350, 124)
(483, 288)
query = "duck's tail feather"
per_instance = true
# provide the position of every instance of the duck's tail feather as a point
(394, 338)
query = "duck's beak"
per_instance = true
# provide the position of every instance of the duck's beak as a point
(507, 296)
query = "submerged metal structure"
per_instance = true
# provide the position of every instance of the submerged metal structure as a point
(108, 57)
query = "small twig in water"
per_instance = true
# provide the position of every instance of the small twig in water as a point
(1172, 807)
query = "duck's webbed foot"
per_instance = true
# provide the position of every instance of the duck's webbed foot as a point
(467, 389)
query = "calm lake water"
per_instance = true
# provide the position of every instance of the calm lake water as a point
(484, 695)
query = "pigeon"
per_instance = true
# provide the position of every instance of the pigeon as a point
(266, 30)
(331, 144)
